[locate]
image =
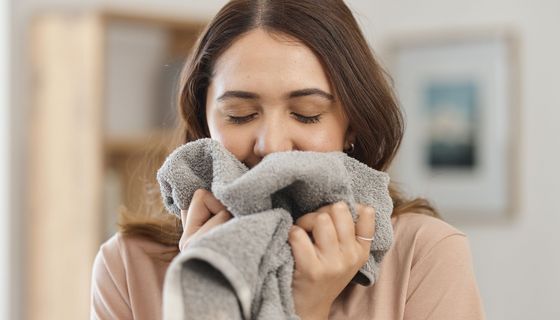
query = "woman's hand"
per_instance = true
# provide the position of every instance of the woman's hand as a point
(326, 262)
(204, 213)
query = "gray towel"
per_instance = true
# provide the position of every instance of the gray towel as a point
(243, 268)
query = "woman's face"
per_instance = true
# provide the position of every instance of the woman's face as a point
(269, 95)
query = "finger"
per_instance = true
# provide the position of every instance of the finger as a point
(308, 218)
(343, 223)
(202, 207)
(303, 250)
(342, 220)
(184, 218)
(208, 200)
(220, 218)
(365, 226)
(182, 242)
(322, 228)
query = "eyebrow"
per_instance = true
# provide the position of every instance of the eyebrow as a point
(293, 94)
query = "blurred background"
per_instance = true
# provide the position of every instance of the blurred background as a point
(86, 89)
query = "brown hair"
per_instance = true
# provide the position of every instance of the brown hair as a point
(330, 30)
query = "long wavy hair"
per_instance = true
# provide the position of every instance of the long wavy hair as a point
(327, 27)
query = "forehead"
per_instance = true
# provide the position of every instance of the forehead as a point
(263, 61)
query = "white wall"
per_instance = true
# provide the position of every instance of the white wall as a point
(517, 263)
(4, 163)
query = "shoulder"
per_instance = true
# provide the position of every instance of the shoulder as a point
(121, 250)
(421, 235)
(422, 223)
(128, 274)
(122, 255)
(125, 245)
(108, 289)
(435, 258)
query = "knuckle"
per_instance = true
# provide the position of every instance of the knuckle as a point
(354, 257)
(200, 193)
(338, 268)
(295, 233)
(300, 219)
(340, 206)
(292, 235)
(219, 217)
(226, 215)
(325, 208)
(323, 218)
(369, 210)
(364, 258)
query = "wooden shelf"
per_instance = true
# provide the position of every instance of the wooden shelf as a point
(156, 141)
(70, 152)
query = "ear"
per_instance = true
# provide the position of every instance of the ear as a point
(349, 137)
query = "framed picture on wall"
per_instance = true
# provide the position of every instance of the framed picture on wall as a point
(459, 93)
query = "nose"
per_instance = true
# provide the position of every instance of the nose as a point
(273, 136)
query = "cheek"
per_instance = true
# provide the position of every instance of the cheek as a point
(235, 140)
(327, 142)
(324, 138)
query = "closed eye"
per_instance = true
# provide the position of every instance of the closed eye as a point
(304, 119)
(299, 117)
(239, 120)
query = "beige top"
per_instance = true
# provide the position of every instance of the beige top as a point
(427, 274)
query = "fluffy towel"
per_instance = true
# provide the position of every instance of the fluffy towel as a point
(243, 268)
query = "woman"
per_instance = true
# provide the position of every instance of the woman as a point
(270, 76)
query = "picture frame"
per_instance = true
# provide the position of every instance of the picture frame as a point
(459, 92)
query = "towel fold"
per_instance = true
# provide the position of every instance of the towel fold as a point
(242, 269)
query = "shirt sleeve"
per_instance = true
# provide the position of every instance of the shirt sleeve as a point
(109, 296)
(443, 285)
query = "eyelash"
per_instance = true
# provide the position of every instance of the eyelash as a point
(304, 119)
